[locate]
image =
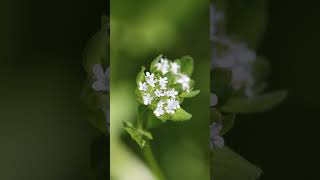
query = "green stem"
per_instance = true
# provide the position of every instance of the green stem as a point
(152, 163)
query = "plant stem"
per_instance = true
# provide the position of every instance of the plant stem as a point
(152, 163)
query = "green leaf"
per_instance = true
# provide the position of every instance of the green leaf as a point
(215, 115)
(140, 136)
(189, 94)
(226, 120)
(262, 103)
(152, 120)
(96, 50)
(186, 65)
(181, 115)
(154, 62)
(140, 76)
(98, 120)
(221, 84)
(228, 165)
(227, 123)
(97, 101)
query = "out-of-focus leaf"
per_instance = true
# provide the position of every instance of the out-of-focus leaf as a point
(215, 115)
(98, 120)
(228, 165)
(227, 123)
(189, 94)
(96, 51)
(221, 84)
(244, 105)
(186, 65)
(181, 115)
(140, 76)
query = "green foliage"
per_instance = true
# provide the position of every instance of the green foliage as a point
(228, 165)
(139, 135)
(190, 94)
(140, 76)
(257, 104)
(186, 64)
(221, 84)
(181, 115)
(97, 49)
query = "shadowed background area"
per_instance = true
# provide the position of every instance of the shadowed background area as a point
(44, 133)
(284, 142)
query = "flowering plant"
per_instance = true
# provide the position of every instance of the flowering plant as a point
(161, 91)
(96, 91)
(238, 85)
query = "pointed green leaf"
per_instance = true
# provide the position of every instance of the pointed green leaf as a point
(228, 165)
(189, 94)
(227, 123)
(140, 76)
(181, 115)
(244, 105)
(140, 136)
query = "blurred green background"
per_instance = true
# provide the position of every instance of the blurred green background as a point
(140, 31)
(44, 133)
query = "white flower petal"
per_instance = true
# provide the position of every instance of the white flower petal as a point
(99, 86)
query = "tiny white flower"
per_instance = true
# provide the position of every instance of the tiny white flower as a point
(158, 111)
(213, 100)
(175, 67)
(163, 66)
(184, 80)
(160, 103)
(150, 79)
(172, 105)
(147, 99)
(143, 86)
(158, 93)
(171, 93)
(163, 82)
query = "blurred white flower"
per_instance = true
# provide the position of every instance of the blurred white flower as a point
(216, 140)
(163, 82)
(147, 99)
(163, 66)
(172, 105)
(101, 77)
(175, 67)
(171, 93)
(150, 79)
(143, 86)
(213, 100)
(184, 80)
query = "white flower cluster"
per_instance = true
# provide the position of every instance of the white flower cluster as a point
(156, 91)
(101, 77)
(239, 59)
(235, 56)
